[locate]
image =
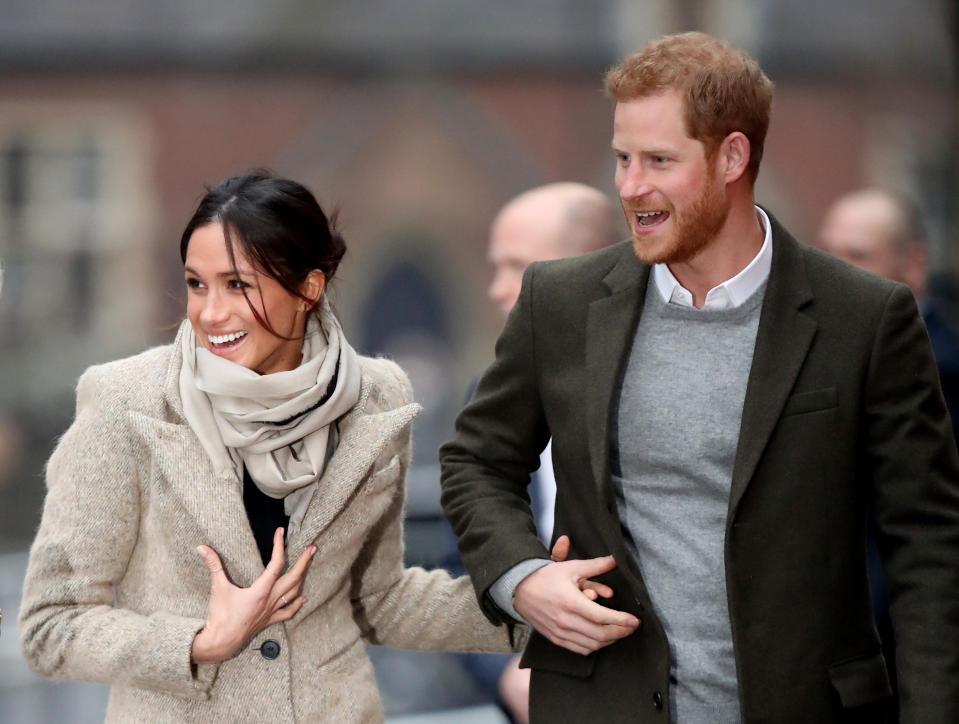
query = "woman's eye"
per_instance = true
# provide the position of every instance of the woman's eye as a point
(237, 284)
(193, 283)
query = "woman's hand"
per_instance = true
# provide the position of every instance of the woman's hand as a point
(236, 614)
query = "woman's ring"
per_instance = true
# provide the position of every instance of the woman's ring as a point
(283, 598)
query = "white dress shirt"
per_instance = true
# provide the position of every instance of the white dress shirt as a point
(732, 292)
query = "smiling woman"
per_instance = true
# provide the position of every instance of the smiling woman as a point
(239, 313)
(258, 435)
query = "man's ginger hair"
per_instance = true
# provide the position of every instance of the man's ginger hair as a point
(723, 88)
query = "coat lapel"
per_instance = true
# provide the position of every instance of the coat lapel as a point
(215, 500)
(363, 437)
(610, 325)
(783, 339)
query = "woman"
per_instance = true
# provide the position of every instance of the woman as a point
(258, 420)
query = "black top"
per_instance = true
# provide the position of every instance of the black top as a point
(265, 514)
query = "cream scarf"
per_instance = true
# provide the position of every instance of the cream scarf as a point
(278, 426)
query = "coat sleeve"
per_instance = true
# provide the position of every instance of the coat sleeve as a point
(486, 466)
(914, 470)
(70, 624)
(414, 608)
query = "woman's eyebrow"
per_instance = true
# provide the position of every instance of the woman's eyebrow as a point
(229, 273)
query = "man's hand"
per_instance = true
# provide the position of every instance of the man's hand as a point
(559, 601)
(591, 589)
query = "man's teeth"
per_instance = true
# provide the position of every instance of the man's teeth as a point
(224, 338)
(645, 217)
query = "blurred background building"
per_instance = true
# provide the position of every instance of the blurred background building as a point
(418, 119)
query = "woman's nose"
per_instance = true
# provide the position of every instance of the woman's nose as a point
(215, 309)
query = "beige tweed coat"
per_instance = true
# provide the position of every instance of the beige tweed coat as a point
(115, 590)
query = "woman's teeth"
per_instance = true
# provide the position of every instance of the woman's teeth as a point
(224, 338)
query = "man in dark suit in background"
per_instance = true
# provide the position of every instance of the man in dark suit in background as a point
(725, 406)
(882, 231)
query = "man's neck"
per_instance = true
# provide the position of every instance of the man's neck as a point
(728, 253)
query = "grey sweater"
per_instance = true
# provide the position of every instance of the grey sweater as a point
(673, 441)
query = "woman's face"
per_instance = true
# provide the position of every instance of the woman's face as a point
(221, 316)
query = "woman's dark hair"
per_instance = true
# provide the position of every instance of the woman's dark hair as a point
(277, 224)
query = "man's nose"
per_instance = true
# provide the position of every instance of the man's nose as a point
(502, 291)
(635, 182)
(497, 287)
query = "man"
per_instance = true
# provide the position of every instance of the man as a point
(724, 405)
(882, 232)
(548, 222)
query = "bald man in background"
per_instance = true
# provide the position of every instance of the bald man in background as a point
(548, 222)
(881, 231)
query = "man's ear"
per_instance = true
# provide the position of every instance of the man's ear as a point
(734, 152)
(312, 289)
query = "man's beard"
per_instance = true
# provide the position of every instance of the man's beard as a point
(693, 228)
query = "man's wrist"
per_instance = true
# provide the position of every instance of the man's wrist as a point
(504, 588)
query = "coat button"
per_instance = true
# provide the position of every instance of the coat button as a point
(270, 649)
(657, 700)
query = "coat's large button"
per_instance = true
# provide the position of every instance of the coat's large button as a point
(270, 649)
(657, 700)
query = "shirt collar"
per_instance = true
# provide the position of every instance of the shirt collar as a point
(732, 292)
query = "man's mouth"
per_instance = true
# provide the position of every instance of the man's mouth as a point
(225, 342)
(650, 218)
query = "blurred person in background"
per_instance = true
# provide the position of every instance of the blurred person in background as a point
(554, 221)
(725, 405)
(882, 231)
(258, 434)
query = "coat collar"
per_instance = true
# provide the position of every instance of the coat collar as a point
(783, 340)
(216, 501)
(610, 326)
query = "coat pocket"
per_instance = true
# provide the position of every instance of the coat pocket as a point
(811, 401)
(860, 681)
(541, 654)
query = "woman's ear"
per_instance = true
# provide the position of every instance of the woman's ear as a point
(312, 289)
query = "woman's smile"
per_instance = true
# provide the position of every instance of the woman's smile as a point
(224, 344)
